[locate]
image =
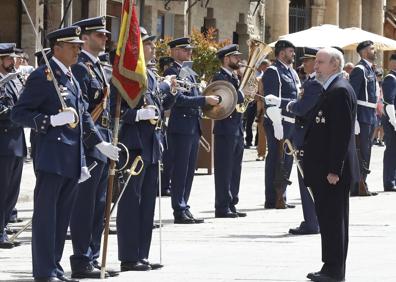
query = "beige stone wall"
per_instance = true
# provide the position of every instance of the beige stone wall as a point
(9, 19)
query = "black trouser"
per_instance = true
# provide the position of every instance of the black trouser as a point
(332, 209)
(250, 115)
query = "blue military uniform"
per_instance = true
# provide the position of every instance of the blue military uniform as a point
(282, 81)
(59, 155)
(12, 150)
(389, 161)
(303, 108)
(228, 146)
(363, 81)
(135, 213)
(87, 220)
(183, 135)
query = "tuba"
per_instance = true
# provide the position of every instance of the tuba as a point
(249, 84)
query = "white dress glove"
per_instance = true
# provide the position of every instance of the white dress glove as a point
(390, 111)
(272, 100)
(274, 114)
(109, 150)
(357, 127)
(62, 118)
(85, 175)
(146, 114)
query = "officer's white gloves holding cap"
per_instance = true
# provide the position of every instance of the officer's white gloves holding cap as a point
(390, 110)
(272, 100)
(146, 114)
(109, 150)
(62, 118)
(274, 114)
(357, 127)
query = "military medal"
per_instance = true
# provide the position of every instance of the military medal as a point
(48, 74)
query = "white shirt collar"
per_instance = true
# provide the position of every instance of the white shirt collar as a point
(367, 62)
(227, 71)
(92, 57)
(61, 65)
(177, 63)
(327, 83)
(286, 66)
(312, 75)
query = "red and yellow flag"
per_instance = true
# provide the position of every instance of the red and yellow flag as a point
(129, 69)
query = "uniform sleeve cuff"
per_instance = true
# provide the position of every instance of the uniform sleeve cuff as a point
(42, 122)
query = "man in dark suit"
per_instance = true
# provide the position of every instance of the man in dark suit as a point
(389, 123)
(184, 131)
(228, 141)
(363, 81)
(302, 108)
(281, 80)
(12, 144)
(142, 134)
(62, 134)
(330, 161)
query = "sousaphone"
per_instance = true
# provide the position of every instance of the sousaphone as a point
(228, 100)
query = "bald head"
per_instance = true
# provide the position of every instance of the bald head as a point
(328, 61)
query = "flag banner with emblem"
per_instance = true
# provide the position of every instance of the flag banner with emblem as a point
(129, 68)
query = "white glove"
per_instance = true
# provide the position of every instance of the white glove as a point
(272, 100)
(62, 118)
(357, 127)
(274, 114)
(390, 111)
(85, 175)
(171, 81)
(109, 150)
(146, 114)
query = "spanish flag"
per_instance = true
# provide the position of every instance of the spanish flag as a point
(129, 69)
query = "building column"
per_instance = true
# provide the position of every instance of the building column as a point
(391, 5)
(331, 15)
(277, 19)
(97, 8)
(351, 13)
(318, 12)
(29, 42)
(54, 14)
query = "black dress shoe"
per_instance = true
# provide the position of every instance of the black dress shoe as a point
(89, 272)
(15, 220)
(391, 189)
(321, 277)
(153, 266)
(111, 273)
(196, 220)
(134, 266)
(183, 219)
(228, 214)
(6, 245)
(67, 279)
(112, 231)
(269, 205)
(302, 231)
(47, 279)
(289, 206)
(240, 214)
(10, 231)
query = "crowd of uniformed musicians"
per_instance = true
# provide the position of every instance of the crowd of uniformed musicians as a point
(310, 117)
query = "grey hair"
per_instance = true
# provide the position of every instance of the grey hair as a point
(335, 55)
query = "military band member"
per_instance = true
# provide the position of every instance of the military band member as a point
(280, 80)
(389, 123)
(363, 81)
(303, 108)
(12, 144)
(228, 141)
(184, 132)
(87, 219)
(330, 162)
(59, 157)
(141, 133)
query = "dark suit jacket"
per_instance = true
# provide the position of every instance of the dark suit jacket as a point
(329, 144)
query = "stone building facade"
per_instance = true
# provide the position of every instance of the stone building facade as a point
(237, 20)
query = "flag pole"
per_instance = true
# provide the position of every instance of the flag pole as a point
(110, 187)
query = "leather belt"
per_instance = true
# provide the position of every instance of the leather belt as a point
(367, 104)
